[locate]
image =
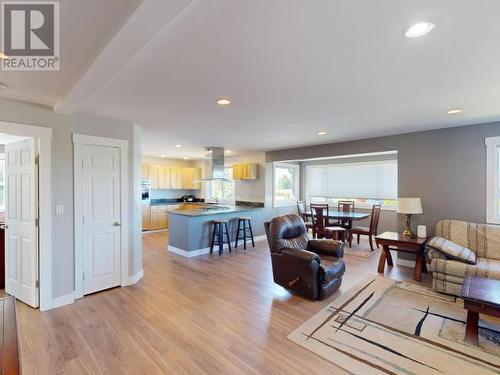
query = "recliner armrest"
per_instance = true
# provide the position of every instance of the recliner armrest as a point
(327, 247)
(306, 256)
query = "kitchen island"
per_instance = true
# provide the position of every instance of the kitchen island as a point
(190, 226)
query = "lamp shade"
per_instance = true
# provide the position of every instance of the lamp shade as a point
(410, 206)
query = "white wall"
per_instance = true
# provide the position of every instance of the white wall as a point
(62, 178)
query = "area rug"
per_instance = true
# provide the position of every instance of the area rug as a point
(383, 326)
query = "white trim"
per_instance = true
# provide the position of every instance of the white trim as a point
(296, 184)
(44, 136)
(63, 300)
(492, 177)
(135, 278)
(206, 250)
(79, 140)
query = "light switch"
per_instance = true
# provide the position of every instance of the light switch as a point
(59, 210)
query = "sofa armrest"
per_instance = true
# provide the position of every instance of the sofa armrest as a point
(327, 247)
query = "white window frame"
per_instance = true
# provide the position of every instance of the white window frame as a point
(492, 178)
(208, 192)
(296, 184)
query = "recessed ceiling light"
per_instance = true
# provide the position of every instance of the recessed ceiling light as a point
(178, 146)
(186, 158)
(223, 101)
(228, 151)
(420, 29)
(163, 156)
(321, 133)
(454, 111)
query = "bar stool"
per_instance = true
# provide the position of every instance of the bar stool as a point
(219, 229)
(242, 227)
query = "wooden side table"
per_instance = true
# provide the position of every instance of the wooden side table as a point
(395, 241)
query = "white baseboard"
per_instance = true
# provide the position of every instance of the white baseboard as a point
(63, 300)
(135, 278)
(206, 250)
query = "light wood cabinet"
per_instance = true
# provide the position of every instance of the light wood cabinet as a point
(163, 177)
(146, 217)
(154, 172)
(159, 217)
(145, 171)
(245, 171)
(176, 178)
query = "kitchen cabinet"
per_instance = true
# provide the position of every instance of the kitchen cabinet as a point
(245, 171)
(146, 217)
(159, 217)
(189, 176)
(176, 178)
(154, 174)
(163, 177)
(145, 171)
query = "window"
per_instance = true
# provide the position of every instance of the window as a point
(493, 180)
(286, 184)
(223, 191)
(367, 183)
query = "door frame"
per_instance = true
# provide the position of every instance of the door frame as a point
(79, 140)
(44, 137)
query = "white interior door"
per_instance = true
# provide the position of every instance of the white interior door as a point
(21, 216)
(101, 217)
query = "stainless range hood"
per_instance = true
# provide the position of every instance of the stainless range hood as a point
(214, 165)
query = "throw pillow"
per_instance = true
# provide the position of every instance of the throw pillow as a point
(452, 250)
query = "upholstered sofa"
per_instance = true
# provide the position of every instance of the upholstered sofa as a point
(483, 239)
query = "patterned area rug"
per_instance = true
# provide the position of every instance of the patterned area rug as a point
(382, 326)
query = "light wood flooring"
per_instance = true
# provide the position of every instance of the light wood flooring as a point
(206, 315)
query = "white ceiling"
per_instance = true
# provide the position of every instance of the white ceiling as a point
(292, 68)
(86, 28)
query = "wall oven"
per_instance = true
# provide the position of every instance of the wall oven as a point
(145, 190)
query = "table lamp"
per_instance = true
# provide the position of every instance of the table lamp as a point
(409, 206)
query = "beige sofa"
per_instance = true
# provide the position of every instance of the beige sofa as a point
(484, 240)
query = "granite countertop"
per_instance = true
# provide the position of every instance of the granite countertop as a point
(201, 209)
(163, 202)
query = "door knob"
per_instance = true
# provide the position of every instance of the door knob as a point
(116, 224)
(3, 226)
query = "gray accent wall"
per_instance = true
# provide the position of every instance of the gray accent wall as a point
(445, 167)
(63, 127)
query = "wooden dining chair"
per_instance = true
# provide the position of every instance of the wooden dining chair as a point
(372, 230)
(301, 209)
(320, 227)
(345, 206)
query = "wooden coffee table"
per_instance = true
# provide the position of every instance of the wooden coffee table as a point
(395, 241)
(480, 296)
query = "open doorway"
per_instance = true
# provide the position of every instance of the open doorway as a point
(19, 218)
(27, 200)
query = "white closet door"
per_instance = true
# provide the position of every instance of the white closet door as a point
(102, 212)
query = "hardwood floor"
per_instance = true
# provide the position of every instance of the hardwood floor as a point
(205, 315)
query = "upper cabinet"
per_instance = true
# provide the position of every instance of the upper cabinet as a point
(163, 177)
(246, 171)
(145, 171)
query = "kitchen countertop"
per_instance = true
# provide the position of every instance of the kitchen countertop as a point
(202, 209)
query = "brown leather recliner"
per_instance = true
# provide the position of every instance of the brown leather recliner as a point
(311, 268)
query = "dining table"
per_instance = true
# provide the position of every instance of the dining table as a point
(343, 216)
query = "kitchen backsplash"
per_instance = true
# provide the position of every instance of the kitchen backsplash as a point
(171, 193)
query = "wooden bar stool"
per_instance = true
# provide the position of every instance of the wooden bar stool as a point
(243, 227)
(219, 230)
